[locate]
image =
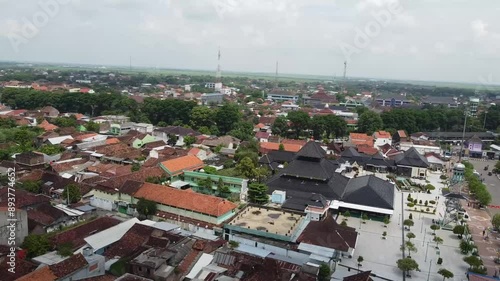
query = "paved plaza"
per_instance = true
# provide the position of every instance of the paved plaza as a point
(381, 255)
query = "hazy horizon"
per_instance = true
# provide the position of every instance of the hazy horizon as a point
(430, 40)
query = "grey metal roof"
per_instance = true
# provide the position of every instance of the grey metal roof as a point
(312, 149)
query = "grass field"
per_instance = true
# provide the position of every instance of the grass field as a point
(255, 75)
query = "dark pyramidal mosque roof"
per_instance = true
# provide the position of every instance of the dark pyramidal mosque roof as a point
(412, 158)
(311, 173)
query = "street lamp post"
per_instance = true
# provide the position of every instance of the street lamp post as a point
(429, 273)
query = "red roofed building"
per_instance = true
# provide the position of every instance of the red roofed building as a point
(46, 126)
(176, 166)
(381, 138)
(266, 147)
(194, 205)
(359, 138)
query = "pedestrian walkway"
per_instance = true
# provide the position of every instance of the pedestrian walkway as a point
(480, 221)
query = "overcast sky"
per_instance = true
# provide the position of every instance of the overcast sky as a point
(438, 40)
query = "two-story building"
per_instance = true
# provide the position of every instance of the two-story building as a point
(236, 186)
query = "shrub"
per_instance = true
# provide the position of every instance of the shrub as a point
(343, 223)
(420, 202)
(432, 202)
(443, 177)
(426, 203)
(410, 205)
(427, 210)
(410, 216)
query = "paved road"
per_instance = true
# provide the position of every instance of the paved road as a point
(491, 182)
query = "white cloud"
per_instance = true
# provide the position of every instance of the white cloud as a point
(479, 28)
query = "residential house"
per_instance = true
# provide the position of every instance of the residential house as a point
(362, 276)
(202, 154)
(76, 267)
(450, 102)
(360, 138)
(46, 126)
(120, 128)
(30, 159)
(189, 204)
(320, 97)
(381, 138)
(223, 141)
(121, 198)
(262, 136)
(49, 111)
(398, 101)
(46, 218)
(165, 133)
(142, 140)
(144, 128)
(399, 136)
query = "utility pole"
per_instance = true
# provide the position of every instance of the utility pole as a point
(130, 62)
(345, 74)
(463, 138)
(403, 232)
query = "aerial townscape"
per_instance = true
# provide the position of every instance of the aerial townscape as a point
(139, 173)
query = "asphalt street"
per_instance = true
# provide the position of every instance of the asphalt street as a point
(492, 183)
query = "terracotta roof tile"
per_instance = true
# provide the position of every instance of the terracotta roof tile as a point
(188, 162)
(47, 126)
(68, 266)
(42, 274)
(112, 141)
(23, 198)
(77, 234)
(192, 201)
(382, 134)
(23, 267)
(268, 146)
(131, 241)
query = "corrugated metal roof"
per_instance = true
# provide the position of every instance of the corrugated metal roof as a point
(253, 251)
(110, 235)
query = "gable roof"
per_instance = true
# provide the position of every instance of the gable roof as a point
(329, 234)
(177, 165)
(205, 204)
(267, 146)
(42, 274)
(68, 266)
(77, 235)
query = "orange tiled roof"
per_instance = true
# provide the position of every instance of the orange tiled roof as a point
(112, 141)
(42, 274)
(177, 165)
(296, 142)
(84, 136)
(47, 126)
(276, 146)
(382, 134)
(192, 201)
(194, 151)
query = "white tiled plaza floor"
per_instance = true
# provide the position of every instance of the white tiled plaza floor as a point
(380, 255)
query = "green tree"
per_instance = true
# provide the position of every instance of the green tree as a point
(74, 193)
(410, 247)
(434, 227)
(360, 260)
(92, 127)
(407, 265)
(32, 186)
(261, 173)
(189, 140)
(65, 249)
(146, 208)
(281, 147)
(246, 168)
(51, 149)
(242, 130)
(410, 236)
(36, 245)
(473, 261)
(408, 223)
(445, 273)
(496, 221)
(135, 167)
(324, 272)
(226, 117)
(465, 247)
(210, 170)
(202, 116)
(206, 183)
(370, 122)
(459, 230)
(299, 121)
(438, 241)
(257, 193)
(280, 127)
